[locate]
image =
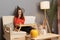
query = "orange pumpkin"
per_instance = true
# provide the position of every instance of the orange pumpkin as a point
(34, 33)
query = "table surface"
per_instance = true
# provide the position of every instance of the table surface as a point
(47, 36)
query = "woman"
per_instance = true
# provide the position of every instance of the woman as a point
(18, 18)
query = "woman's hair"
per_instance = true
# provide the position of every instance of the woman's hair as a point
(16, 14)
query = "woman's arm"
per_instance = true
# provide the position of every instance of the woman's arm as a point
(15, 23)
(23, 20)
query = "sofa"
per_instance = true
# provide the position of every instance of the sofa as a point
(10, 34)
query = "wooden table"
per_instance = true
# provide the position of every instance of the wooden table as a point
(48, 36)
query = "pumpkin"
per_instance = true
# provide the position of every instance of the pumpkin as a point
(34, 33)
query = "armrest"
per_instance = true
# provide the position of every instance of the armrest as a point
(7, 29)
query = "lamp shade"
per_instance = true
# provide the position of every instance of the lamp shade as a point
(45, 5)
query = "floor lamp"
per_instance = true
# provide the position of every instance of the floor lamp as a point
(44, 5)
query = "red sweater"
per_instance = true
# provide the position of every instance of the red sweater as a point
(18, 21)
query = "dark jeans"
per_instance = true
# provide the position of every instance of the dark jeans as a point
(26, 29)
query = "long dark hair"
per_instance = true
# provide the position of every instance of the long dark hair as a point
(16, 14)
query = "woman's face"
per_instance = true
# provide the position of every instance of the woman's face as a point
(19, 12)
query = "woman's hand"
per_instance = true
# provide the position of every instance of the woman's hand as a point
(15, 29)
(17, 24)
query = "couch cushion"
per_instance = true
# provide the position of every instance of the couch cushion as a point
(9, 19)
(19, 32)
(29, 19)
